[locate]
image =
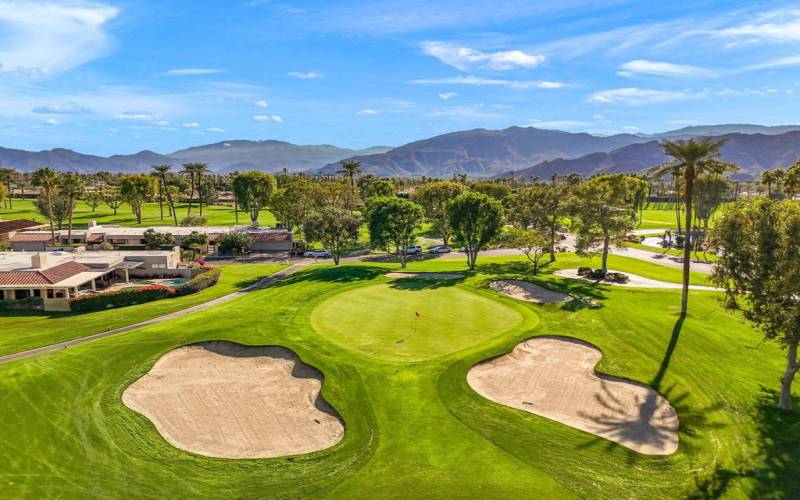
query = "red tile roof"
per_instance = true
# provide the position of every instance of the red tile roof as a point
(96, 238)
(271, 236)
(42, 278)
(17, 237)
(6, 226)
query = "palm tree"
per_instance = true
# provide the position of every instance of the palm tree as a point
(691, 158)
(190, 170)
(71, 188)
(350, 168)
(47, 179)
(767, 178)
(161, 171)
(7, 174)
(200, 170)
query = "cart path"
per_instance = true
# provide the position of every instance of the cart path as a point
(160, 319)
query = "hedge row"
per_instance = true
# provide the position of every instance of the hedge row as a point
(125, 297)
(29, 304)
(200, 282)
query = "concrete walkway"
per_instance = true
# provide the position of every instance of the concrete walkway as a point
(160, 319)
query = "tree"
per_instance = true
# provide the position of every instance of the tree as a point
(56, 208)
(476, 219)
(154, 240)
(497, 191)
(603, 213)
(540, 206)
(792, 182)
(334, 227)
(350, 168)
(691, 159)
(533, 243)
(235, 242)
(71, 188)
(6, 177)
(193, 171)
(391, 222)
(47, 179)
(113, 199)
(161, 171)
(253, 191)
(434, 197)
(3, 194)
(94, 199)
(710, 194)
(135, 189)
(370, 186)
(193, 221)
(758, 267)
(194, 241)
(292, 203)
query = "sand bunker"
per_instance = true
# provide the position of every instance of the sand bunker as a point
(525, 290)
(555, 378)
(634, 281)
(222, 399)
(426, 276)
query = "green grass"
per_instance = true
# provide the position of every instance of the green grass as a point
(416, 429)
(657, 219)
(23, 330)
(709, 257)
(216, 215)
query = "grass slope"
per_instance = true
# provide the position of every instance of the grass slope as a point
(415, 429)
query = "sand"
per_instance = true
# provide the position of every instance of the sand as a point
(525, 290)
(426, 276)
(554, 377)
(634, 281)
(221, 399)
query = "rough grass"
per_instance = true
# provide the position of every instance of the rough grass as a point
(417, 429)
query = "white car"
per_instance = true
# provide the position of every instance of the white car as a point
(323, 254)
(440, 249)
(413, 250)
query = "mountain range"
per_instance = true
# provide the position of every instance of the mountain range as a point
(525, 151)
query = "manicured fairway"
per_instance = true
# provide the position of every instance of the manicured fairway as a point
(657, 219)
(417, 429)
(411, 320)
(216, 215)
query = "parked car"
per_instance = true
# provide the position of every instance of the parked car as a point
(413, 250)
(322, 254)
(440, 249)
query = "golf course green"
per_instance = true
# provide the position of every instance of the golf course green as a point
(413, 426)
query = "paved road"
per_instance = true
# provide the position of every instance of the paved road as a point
(160, 319)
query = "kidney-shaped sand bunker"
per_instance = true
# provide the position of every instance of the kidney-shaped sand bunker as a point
(555, 378)
(222, 399)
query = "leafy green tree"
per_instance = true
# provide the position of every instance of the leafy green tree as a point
(792, 182)
(476, 219)
(253, 191)
(351, 168)
(758, 267)
(154, 240)
(93, 198)
(334, 227)
(690, 159)
(3, 194)
(7, 176)
(193, 221)
(497, 191)
(194, 241)
(235, 242)
(47, 179)
(113, 199)
(370, 186)
(603, 213)
(71, 188)
(540, 206)
(292, 203)
(434, 198)
(391, 222)
(533, 243)
(135, 190)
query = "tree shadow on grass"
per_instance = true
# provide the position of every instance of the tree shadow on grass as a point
(673, 343)
(774, 470)
(333, 274)
(414, 285)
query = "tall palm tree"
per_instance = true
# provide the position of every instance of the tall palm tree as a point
(6, 176)
(71, 187)
(767, 178)
(161, 171)
(200, 170)
(690, 158)
(191, 170)
(47, 179)
(350, 168)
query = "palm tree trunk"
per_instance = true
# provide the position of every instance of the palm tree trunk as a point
(191, 195)
(785, 401)
(606, 243)
(235, 210)
(69, 220)
(50, 215)
(160, 199)
(169, 201)
(200, 192)
(552, 240)
(687, 247)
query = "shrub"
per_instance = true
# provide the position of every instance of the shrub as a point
(584, 271)
(29, 304)
(106, 246)
(193, 221)
(200, 282)
(120, 298)
(617, 278)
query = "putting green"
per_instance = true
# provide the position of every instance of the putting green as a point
(381, 320)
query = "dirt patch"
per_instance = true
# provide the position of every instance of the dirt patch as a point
(221, 399)
(555, 378)
(426, 276)
(634, 281)
(525, 290)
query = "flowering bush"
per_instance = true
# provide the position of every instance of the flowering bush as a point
(125, 297)
(200, 282)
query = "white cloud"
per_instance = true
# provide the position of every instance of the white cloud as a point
(50, 37)
(268, 118)
(218, 130)
(776, 63)
(559, 124)
(261, 104)
(464, 57)
(51, 121)
(135, 116)
(644, 67)
(779, 25)
(488, 82)
(193, 71)
(305, 75)
(633, 96)
(447, 95)
(190, 125)
(369, 112)
(67, 108)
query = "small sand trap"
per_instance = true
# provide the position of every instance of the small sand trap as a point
(525, 290)
(634, 281)
(555, 378)
(426, 276)
(221, 399)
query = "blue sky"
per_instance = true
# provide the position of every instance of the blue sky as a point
(119, 77)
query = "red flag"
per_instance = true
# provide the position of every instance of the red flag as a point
(418, 314)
